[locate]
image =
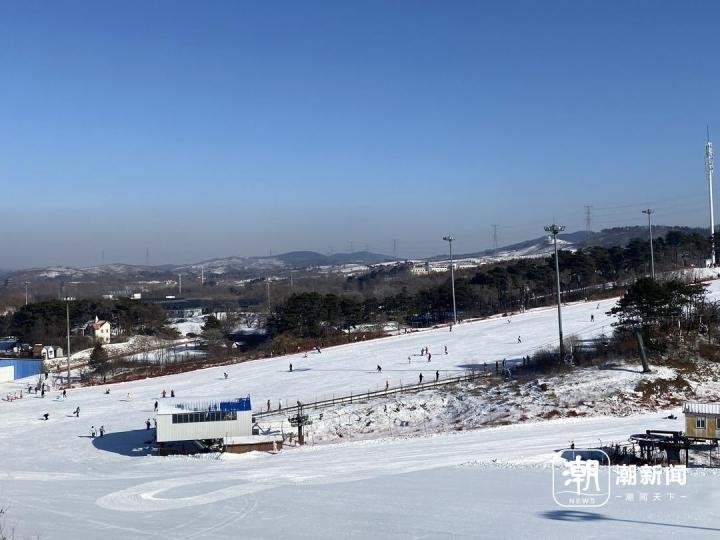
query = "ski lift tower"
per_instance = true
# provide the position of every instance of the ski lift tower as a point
(299, 421)
(709, 173)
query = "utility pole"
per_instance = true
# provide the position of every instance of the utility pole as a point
(709, 174)
(588, 220)
(555, 230)
(449, 239)
(179, 284)
(649, 213)
(26, 292)
(202, 275)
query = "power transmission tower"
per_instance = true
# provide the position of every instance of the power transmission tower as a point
(588, 219)
(495, 237)
(395, 249)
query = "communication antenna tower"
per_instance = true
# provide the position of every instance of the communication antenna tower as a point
(709, 174)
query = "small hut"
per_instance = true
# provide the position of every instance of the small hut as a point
(702, 420)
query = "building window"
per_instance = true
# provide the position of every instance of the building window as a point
(210, 416)
(700, 422)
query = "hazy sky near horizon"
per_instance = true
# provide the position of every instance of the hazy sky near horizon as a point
(209, 129)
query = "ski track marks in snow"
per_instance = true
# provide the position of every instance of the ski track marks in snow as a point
(35, 452)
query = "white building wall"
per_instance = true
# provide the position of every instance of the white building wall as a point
(193, 431)
(7, 373)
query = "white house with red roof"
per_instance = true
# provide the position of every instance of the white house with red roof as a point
(98, 330)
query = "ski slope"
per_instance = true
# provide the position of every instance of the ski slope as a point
(60, 483)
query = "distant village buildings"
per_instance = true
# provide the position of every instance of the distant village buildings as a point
(428, 268)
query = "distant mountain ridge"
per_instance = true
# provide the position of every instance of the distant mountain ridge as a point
(616, 236)
(220, 266)
(295, 260)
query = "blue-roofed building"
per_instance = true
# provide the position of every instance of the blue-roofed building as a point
(199, 419)
(22, 367)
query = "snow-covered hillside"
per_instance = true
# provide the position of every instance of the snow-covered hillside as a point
(59, 483)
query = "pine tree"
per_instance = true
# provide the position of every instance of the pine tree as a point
(99, 359)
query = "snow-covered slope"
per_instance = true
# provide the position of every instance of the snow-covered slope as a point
(59, 483)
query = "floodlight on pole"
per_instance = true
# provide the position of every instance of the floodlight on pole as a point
(649, 213)
(555, 230)
(449, 239)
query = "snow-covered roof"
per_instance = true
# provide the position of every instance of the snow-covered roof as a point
(701, 408)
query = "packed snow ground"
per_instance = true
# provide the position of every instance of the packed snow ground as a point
(59, 483)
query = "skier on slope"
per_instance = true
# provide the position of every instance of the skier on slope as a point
(147, 424)
(77, 412)
(519, 340)
(445, 349)
(379, 369)
(420, 378)
(156, 406)
(437, 376)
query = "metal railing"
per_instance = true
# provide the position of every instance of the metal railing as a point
(357, 397)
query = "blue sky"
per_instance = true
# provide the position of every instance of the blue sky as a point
(206, 129)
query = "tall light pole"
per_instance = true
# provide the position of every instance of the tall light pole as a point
(267, 292)
(555, 230)
(649, 213)
(449, 239)
(26, 292)
(709, 174)
(67, 312)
